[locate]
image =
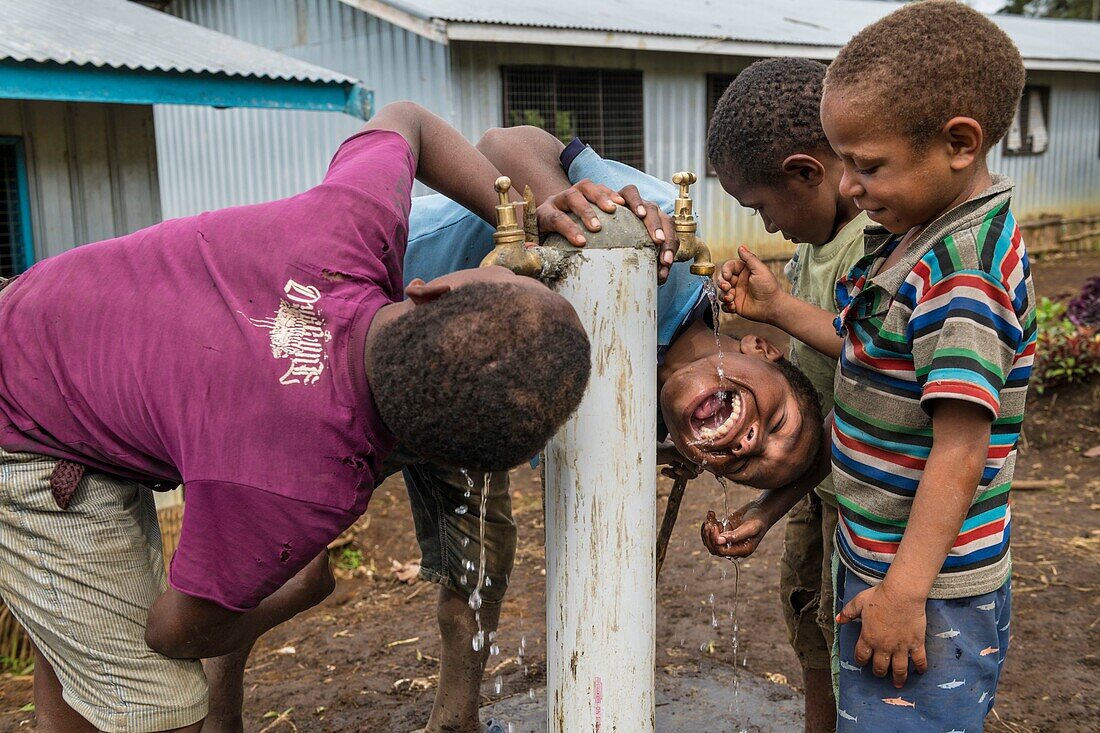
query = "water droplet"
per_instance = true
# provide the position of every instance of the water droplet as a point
(464, 580)
(467, 494)
(498, 685)
(465, 541)
(530, 693)
(478, 641)
(475, 603)
(494, 650)
(462, 509)
(468, 564)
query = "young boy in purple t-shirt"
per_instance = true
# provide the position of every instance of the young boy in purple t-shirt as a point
(263, 357)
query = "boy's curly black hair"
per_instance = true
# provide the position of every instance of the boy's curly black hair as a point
(930, 61)
(769, 112)
(482, 376)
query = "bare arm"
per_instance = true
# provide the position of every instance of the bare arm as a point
(185, 627)
(531, 157)
(749, 289)
(445, 160)
(960, 442)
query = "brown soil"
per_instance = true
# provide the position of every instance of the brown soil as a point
(365, 659)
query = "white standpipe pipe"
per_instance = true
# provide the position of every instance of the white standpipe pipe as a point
(601, 492)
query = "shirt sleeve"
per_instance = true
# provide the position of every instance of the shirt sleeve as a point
(240, 544)
(965, 335)
(372, 176)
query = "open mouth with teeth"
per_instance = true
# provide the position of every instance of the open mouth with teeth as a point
(717, 419)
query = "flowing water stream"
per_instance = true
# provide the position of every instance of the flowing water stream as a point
(716, 313)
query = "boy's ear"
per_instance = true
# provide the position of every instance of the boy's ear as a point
(804, 168)
(964, 136)
(752, 345)
(420, 292)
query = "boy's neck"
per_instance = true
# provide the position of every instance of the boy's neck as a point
(975, 184)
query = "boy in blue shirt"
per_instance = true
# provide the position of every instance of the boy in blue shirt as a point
(444, 237)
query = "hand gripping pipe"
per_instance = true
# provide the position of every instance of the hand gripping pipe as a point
(600, 471)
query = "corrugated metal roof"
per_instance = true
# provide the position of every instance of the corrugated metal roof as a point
(124, 35)
(826, 23)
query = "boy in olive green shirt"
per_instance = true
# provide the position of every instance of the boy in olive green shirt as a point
(770, 153)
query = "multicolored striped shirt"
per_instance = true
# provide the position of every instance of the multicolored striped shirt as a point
(953, 319)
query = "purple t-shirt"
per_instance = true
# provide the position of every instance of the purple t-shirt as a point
(224, 351)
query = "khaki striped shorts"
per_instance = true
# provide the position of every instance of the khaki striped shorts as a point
(81, 582)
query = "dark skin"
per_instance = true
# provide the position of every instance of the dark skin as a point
(689, 374)
(182, 626)
(765, 445)
(530, 156)
(804, 204)
(904, 186)
(456, 702)
(741, 533)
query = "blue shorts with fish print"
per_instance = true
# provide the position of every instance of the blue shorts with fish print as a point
(966, 641)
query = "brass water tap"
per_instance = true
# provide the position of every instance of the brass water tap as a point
(683, 221)
(508, 240)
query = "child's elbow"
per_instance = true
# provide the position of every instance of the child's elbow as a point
(169, 639)
(169, 634)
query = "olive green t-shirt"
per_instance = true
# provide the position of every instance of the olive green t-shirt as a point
(814, 271)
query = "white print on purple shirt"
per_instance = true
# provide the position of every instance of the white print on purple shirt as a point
(298, 333)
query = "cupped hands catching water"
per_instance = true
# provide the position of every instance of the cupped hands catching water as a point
(738, 535)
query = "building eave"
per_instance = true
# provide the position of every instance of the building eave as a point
(430, 28)
(65, 82)
(501, 33)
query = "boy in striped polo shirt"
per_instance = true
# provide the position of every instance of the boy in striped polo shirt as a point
(935, 338)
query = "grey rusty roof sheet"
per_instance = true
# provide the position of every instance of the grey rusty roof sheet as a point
(826, 23)
(124, 35)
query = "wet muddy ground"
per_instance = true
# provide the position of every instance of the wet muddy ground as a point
(365, 660)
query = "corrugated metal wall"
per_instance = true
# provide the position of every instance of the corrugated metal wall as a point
(212, 158)
(674, 116)
(1065, 179)
(91, 170)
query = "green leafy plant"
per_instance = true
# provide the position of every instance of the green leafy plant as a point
(349, 559)
(16, 665)
(1065, 353)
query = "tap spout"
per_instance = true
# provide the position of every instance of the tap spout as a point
(509, 248)
(683, 222)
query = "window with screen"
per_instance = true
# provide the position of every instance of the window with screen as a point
(14, 227)
(1029, 132)
(716, 86)
(603, 107)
